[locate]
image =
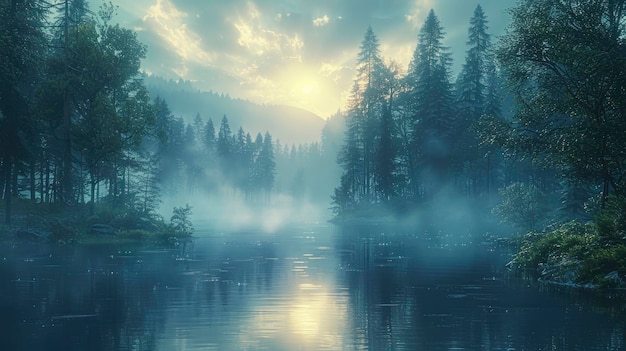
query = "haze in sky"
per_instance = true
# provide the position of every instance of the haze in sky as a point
(289, 52)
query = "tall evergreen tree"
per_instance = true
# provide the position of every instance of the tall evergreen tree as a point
(432, 103)
(358, 156)
(22, 41)
(350, 156)
(198, 129)
(385, 158)
(267, 165)
(208, 137)
(72, 14)
(472, 81)
(224, 137)
(225, 149)
(474, 96)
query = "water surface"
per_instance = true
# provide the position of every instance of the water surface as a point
(308, 287)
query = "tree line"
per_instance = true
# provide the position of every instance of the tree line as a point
(78, 126)
(540, 111)
(200, 156)
(73, 111)
(220, 160)
(532, 128)
(410, 135)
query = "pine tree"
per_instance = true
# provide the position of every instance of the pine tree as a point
(224, 136)
(198, 129)
(358, 155)
(267, 166)
(472, 81)
(209, 137)
(240, 161)
(432, 103)
(21, 42)
(385, 158)
(475, 95)
(350, 156)
(148, 189)
(225, 147)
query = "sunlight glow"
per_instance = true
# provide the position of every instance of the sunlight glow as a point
(269, 64)
(309, 88)
(258, 39)
(314, 316)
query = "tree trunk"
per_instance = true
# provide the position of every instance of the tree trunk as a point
(605, 193)
(66, 191)
(32, 181)
(93, 194)
(8, 196)
(14, 184)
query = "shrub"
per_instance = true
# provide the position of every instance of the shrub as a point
(570, 240)
(611, 221)
(601, 262)
(134, 234)
(180, 221)
(63, 231)
(522, 205)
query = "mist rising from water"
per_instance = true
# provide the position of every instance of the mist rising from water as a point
(225, 209)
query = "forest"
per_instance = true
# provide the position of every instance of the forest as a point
(531, 130)
(85, 147)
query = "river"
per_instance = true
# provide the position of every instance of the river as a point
(314, 286)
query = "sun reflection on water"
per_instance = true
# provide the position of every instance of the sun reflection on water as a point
(309, 315)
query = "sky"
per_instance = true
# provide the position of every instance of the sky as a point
(289, 52)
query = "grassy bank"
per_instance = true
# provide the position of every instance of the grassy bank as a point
(574, 253)
(103, 224)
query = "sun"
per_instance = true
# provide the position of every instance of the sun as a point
(309, 88)
(305, 87)
(306, 90)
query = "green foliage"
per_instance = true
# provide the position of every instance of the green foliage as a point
(522, 205)
(561, 62)
(180, 222)
(63, 230)
(569, 240)
(432, 115)
(574, 252)
(573, 199)
(135, 234)
(611, 221)
(365, 107)
(602, 261)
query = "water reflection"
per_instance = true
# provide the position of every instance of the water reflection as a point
(306, 288)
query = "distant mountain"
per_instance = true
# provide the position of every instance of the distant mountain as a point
(291, 125)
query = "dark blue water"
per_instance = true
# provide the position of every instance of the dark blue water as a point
(309, 287)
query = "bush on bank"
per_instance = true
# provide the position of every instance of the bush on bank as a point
(106, 222)
(591, 254)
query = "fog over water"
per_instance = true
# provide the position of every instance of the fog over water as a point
(442, 183)
(226, 211)
(302, 287)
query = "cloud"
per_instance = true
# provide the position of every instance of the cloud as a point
(274, 51)
(418, 12)
(260, 41)
(334, 72)
(169, 24)
(321, 21)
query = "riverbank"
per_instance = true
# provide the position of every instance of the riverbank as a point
(105, 224)
(573, 254)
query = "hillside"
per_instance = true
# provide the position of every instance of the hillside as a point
(290, 125)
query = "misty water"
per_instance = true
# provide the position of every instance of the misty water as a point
(305, 287)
